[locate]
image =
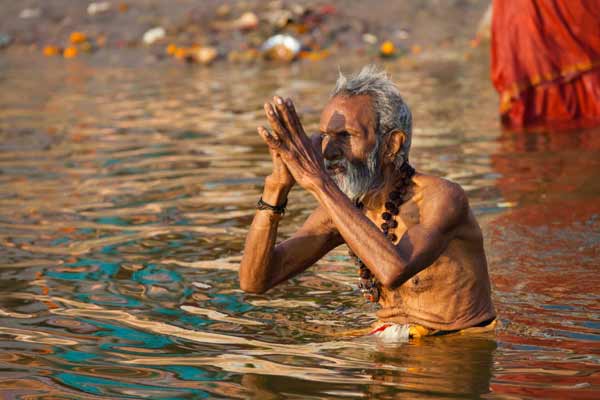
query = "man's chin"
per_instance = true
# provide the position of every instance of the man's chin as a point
(337, 171)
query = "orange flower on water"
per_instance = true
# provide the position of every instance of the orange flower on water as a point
(70, 52)
(50, 51)
(171, 49)
(77, 37)
(416, 49)
(315, 55)
(387, 49)
(181, 53)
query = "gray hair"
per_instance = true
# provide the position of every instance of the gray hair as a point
(391, 111)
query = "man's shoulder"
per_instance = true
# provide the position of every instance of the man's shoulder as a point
(442, 190)
(442, 199)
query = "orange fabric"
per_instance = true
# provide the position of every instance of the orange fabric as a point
(546, 61)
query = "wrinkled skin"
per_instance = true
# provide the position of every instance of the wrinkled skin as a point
(436, 272)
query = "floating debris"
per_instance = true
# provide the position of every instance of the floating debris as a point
(70, 52)
(369, 38)
(77, 37)
(28, 13)
(315, 55)
(281, 48)
(180, 53)
(387, 49)
(201, 285)
(98, 8)
(50, 51)
(171, 49)
(154, 35)
(202, 55)
(247, 21)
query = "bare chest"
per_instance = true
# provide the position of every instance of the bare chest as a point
(408, 215)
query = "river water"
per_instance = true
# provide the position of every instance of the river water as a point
(126, 191)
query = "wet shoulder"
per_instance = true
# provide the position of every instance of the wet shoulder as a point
(442, 198)
(440, 189)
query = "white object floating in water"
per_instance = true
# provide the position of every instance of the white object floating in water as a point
(154, 35)
(281, 48)
(287, 41)
(98, 8)
(201, 285)
(30, 13)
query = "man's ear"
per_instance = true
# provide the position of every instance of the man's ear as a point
(394, 145)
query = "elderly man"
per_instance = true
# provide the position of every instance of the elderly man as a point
(417, 244)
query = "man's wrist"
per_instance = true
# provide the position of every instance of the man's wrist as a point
(321, 184)
(274, 192)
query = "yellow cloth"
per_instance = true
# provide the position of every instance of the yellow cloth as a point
(416, 331)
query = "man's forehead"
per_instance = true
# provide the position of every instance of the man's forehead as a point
(347, 113)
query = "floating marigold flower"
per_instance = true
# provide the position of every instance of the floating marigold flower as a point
(50, 51)
(315, 55)
(77, 37)
(181, 53)
(387, 49)
(172, 49)
(416, 49)
(70, 52)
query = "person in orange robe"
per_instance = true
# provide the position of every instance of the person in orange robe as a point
(546, 62)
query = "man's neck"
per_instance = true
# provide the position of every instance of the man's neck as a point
(376, 197)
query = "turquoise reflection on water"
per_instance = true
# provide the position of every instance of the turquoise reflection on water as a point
(102, 269)
(103, 386)
(129, 336)
(155, 274)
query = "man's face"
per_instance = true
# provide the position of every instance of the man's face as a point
(350, 144)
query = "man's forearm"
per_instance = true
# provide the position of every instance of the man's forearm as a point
(256, 266)
(360, 234)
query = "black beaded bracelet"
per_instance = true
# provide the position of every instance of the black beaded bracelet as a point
(261, 205)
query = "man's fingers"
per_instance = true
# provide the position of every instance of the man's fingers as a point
(293, 114)
(269, 139)
(279, 131)
(285, 115)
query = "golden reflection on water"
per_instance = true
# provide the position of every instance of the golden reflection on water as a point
(125, 195)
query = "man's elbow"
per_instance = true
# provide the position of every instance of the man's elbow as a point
(252, 287)
(390, 282)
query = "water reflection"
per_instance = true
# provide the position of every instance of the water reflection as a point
(453, 366)
(124, 201)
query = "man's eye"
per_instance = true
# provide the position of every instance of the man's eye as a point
(344, 134)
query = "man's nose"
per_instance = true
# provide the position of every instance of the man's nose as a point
(331, 151)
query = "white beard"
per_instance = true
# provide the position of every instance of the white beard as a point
(357, 180)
